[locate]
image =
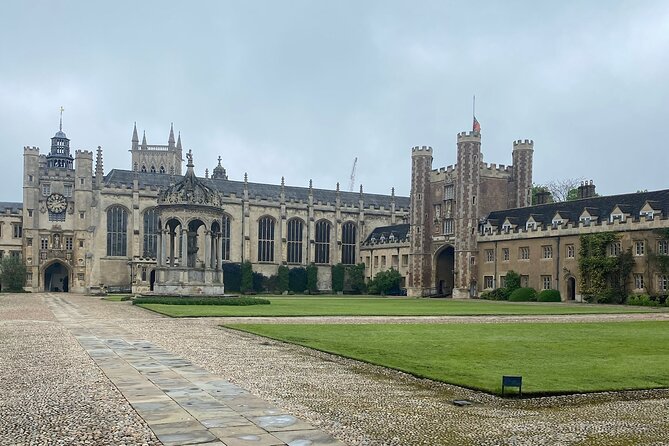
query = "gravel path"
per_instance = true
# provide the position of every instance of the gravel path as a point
(358, 403)
(51, 392)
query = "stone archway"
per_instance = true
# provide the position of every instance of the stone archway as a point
(57, 277)
(152, 279)
(444, 264)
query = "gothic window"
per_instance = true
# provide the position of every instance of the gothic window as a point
(295, 229)
(225, 233)
(613, 249)
(143, 168)
(266, 239)
(348, 243)
(546, 282)
(117, 231)
(67, 190)
(449, 192)
(153, 169)
(162, 169)
(570, 251)
(150, 233)
(524, 253)
(323, 242)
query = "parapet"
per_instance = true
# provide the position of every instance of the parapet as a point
(30, 150)
(83, 154)
(469, 136)
(421, 150)
(523, 144)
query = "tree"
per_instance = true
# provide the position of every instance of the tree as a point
(12, 274)
(312, 278)
(247, 277)
(283, 279)
(385, 282)
(356, 278)
(297, 280)
(338, 273)
(565, 189)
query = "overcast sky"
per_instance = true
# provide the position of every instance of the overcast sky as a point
(300, 88)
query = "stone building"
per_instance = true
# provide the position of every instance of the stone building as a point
(84, 228)
(11, 230)
(447, 205)
(542, 242)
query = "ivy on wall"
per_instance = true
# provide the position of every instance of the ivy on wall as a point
(604, 278)
(661, 261)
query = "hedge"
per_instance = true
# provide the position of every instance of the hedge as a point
(523, 295)
(549, 296)
(204, 300)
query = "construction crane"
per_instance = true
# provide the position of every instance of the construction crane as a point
(351, 185)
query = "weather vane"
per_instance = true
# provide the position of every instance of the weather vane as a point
(61, 117)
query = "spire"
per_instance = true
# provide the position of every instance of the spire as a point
(179, 141)
(99, 169)
(170, 141)
(144, 139)
(283, 180)
(392, 192)
(135, 138)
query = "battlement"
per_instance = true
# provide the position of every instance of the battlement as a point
(421, 150)
(469, 136)
(30, 150)
(523, 142)
(448, 169)
(88, 154)
(492, 167)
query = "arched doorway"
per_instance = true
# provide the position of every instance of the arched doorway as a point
(444, 262)
(152, 279)
(571, 288)
(57, 277)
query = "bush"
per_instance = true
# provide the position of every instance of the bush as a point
(203, 300)
(643, 300)
(523, 295)
(283, 279)
(246, 283)
(356, 278)
(262, 283)
(312, 278)
(12, 274)
(297, 280)
(385, 282)
(512, 281)
(549, 296)
(338, 274)
(496, 294)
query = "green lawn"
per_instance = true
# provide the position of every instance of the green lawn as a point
(376, 306)
(552, 358)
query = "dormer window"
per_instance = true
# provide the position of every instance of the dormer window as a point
(506, 228)
(619, 217)
(648, 214)
(585, 221)
(530, 225)
(382, 239)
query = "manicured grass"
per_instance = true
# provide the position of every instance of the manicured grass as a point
(376, 306)
(117, 297)
(551, 358)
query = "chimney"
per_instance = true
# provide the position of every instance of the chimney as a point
(543, 196)
(586, 189)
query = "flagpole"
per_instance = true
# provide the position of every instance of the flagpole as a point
(474, 107)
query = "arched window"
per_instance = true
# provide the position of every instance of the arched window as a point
(323, 241)
(162, 169)
(150, 233)
(348, 244)
(266, 239)
(295, 227)
(117, 231)
(153, 169)
(225, 233)
(143, 168)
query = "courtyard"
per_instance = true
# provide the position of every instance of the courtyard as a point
(80, 370)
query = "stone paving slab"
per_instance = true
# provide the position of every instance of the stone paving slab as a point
(181, 402)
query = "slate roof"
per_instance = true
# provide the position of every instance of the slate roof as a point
(400, 233)
(256, 190)
(596, 206)
(15, 208)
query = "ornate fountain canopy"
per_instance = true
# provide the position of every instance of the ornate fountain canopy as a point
(190, 190)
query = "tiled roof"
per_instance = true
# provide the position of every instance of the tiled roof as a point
(596, 206)
(399, 233)
(257, 190)
(15, 208)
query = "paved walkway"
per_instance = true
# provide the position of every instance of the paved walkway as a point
(182, 403)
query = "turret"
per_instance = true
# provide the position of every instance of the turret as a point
(59, 157)
(420, 266)
(523, 151)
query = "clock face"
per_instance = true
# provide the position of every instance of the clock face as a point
(56, 203)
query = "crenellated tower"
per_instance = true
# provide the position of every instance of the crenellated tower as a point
(420, 257)
(523, 151)
(154, 158)
(467, 191)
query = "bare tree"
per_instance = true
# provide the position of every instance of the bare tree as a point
(564, 189)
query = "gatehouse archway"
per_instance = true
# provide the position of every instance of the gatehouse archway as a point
(444, 262)
(57, 277)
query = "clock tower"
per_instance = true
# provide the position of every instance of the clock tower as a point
(57, 203)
